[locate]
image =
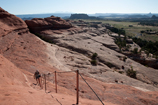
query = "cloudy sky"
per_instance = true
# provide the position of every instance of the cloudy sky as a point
(79, 6)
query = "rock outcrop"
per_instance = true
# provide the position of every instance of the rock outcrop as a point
(82, 16)
(38, 24)
(17, 44)
(9, 23)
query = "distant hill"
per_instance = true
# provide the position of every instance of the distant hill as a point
(121, 15)
(125, 16)
(82, 16)
(31, 16)
(138, 16)
(154, 17)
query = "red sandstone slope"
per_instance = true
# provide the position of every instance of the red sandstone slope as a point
(15, 89)
(18, 45)
(10, 74)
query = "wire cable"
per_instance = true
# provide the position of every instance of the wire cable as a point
(92, 89)
(65, 72)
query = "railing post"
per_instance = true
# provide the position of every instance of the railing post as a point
(55, 81)
(77, 87)
(45, 81)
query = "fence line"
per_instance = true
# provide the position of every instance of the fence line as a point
(77, 84)
(65, 71)
(91, 89)
(45, 82)
(77, 87)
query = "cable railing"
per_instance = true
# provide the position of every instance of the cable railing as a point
(77, 83)
(91, 89)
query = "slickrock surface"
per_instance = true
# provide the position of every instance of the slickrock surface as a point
(78, 45)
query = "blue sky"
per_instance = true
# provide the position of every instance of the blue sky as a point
(79, 6)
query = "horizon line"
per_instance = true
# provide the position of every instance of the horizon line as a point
(82, 13)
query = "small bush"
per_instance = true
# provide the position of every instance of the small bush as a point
(94, 62)
(94, 59)
(128, 46)
(110, 65)
(94, 56)
(135, 51)
(131, 73)
(121, 72)
(124, 58)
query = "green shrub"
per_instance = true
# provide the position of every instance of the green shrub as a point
(128, 46)
(135, 51)
(121, 72)
(110, 65)
(94, 59)
(94, 56)
(124, 58)
(94, 62)
(131, 73)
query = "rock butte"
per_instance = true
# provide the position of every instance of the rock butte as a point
(21, 53)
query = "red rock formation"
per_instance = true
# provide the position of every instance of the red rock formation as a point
(38, 24)
(9, 22)
(17, 44)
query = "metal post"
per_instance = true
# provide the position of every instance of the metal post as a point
(45, 81)
(77, 87)
(55, 82)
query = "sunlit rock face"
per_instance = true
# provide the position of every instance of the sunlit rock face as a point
(38, 24)
(9, 23)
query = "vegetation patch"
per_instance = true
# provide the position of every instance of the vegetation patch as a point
(44, 38)
(124, 58)
(135, 51)
(94, 56)
(94, 59)
(147, 46)
(121, 42)
(110, 65)
(131, 73)
(94, 62)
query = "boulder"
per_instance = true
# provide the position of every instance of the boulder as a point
(53, 23)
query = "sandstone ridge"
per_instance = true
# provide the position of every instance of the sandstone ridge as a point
(9, 23)
(38, 24)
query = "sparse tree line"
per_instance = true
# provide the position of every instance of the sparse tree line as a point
(149, 23)
(116, 30)
(149, 31)
(121, 42)
(148, 46)
(153, 21)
